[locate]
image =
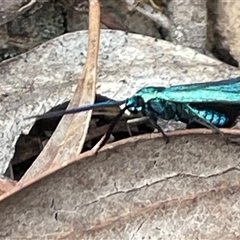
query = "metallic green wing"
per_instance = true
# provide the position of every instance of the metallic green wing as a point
(225, 91)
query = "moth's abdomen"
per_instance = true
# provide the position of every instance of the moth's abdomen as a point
(213, 117)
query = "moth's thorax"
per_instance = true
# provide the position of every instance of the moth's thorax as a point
(140, 101)
(149, 93)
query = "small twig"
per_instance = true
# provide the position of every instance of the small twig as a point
(27, 5)
(69, 137)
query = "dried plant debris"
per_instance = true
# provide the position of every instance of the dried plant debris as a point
(44, 20)
(26, 24)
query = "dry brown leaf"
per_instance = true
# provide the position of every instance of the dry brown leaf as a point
(69, 137)
(6, 185)
(139, 188)
(113, 21)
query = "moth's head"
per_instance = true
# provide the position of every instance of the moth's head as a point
(135, 104)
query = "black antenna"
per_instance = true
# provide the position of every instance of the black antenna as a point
(77, 110)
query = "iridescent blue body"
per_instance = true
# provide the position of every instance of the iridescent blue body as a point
(210, 104)
(148, 101)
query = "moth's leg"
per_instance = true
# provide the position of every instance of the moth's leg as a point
(110, 129)
(203, 122)
(135, 120)
(217, 130)
(208, 125)
(155, 124)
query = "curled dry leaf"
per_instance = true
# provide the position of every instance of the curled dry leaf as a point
(139, 188)
(45, 77)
